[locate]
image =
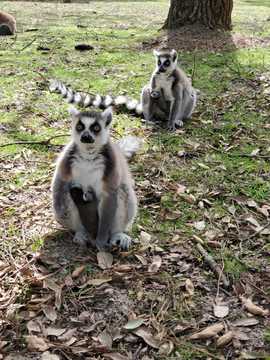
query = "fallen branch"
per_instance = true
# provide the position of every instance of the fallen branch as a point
(41, 142)
(29, 44)
(212, 264)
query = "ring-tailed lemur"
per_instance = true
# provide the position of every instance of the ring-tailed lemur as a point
(168, 97)
(7, 24)
(93, 192)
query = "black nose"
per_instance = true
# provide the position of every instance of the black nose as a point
(162, 69)
(87, 138)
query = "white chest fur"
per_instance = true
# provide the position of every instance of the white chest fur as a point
(88, 172)
(165, 83)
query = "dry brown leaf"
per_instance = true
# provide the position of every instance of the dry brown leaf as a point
(68, 281)
(50, 312)
(49, 356)
(181, 189)
(97, 282)
(221, 310)
(225, 339)
(33, 326)
(133, 324)
(208, 332)
(67, 336)
(35, 343)
(246, 322)
(77, 272)
(199, 225)
(106, 340)
(52, 331)
(156, 263)
(105, 260)
(145, 238)
(189, 287)
(143, 333)
(115, 356)
(50, 284)
(166, 348)
(252, 308)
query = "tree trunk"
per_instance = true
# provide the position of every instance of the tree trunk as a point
(211, 13)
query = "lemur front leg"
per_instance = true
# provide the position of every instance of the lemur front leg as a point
(176, 115)
(87, 205)
(107, 210)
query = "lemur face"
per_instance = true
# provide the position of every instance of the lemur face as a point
(91, 129)
(166, 61)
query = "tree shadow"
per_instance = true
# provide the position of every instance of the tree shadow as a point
(197, 37)
(59, 251)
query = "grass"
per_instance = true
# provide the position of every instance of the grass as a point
(218, 168)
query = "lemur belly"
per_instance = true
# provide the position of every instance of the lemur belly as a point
(89, 173)
(165, 83)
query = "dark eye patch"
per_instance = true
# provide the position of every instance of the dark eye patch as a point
(95, 128)
(167, 63)
(80, 126)
(159, 62)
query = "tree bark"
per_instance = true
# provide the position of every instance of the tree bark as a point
(210, 13)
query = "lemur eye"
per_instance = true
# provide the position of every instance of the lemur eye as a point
(95, 128)
(159, 62)
(167, 63)
(79, 126)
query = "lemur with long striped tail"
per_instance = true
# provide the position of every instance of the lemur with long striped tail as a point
(85, 100)
(169, 96)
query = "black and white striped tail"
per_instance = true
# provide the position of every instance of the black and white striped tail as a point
(99, 101)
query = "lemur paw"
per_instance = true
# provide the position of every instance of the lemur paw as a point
(89, 195)
(155, 94)
(121, 240)
(81, 238)
(171, 127)
(179, 123)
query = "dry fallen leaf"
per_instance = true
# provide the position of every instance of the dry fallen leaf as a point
(252, 308)
(156, 263)
(133, 324)
(189, 287)
(166, 348)
(49, 356)
(221, 310)
(208, 332)
(52, 331)
(199, 225)
(97, 282)
(33, 326)
(246, 322)
(105, 260)
(143, 333)
(50, 312)
(50, 284)
(35, 343)
(225, 339)
(106, 340)
(77, 272)
(145, 238)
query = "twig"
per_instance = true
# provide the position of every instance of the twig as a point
(193, 69)
(257, 232)
(42, 142)
(212, 264)
(29, 44)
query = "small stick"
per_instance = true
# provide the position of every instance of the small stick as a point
(29, 44)
(213, 265)
(42, 142)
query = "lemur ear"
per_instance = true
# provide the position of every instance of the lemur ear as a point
(174, 55)
(73, 112)
(107, 116)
